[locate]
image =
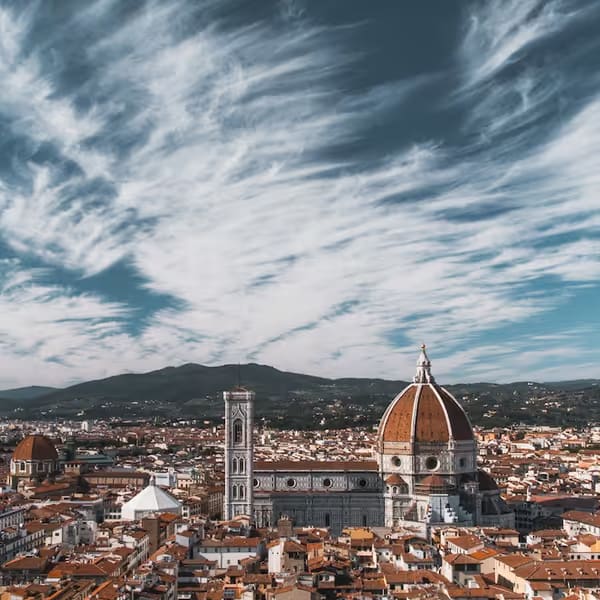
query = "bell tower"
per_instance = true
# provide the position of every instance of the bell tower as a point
(239, 455)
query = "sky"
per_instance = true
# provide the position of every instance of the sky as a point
(320, 186)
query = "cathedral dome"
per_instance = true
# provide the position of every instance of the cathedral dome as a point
(424, 412)
(35, 448)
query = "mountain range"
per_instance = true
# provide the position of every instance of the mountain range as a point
(288, 399)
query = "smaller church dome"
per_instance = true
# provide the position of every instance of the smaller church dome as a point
(395, 479)
(433, 484)
(35, 448)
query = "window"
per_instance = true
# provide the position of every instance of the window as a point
(291, 483)
(431, 463)
(234, 465)
(242, 465)
(237, 431)
(364, 520)
(242, 492)
(234, 492)
(255, 483)
(462, 462)
(396, 461)
(327, 519)
(327, 482)
(362, 483)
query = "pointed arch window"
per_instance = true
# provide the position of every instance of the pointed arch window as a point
(238, 432)
(242, 492)
(234, 492)
(234, 465)
(242, 465)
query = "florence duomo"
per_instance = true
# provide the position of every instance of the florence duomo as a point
(226, 229)
(424, 470)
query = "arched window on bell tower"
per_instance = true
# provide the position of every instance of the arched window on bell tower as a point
(238, 432)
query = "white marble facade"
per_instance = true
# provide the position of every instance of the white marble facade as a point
(424, 472)
(318, 494)
(239, 455)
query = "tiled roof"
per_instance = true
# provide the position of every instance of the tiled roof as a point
(35, 447)
(424, 413)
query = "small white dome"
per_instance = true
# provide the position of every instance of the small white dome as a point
(150, 500)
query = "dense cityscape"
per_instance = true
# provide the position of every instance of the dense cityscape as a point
(299, 300)
(110, 509)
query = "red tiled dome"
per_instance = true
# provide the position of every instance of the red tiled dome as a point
(35, 447)
(395, 479)
(433, 484)
(424, 412)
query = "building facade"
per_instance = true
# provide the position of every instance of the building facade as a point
(239, 456)
(424, 472)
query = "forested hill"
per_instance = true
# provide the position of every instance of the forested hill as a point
(295, 400)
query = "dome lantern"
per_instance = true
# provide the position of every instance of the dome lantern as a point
(423, 374)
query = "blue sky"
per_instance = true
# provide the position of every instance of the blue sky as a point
(319, 186)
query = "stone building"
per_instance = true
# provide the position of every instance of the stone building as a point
(35, 458)
(424, 470)
(239, 418)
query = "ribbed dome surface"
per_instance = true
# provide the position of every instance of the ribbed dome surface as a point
(35, 447)
(424, 412)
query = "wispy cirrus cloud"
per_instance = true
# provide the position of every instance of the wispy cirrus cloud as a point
(228, 160)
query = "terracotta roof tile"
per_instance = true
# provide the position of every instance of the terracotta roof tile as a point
(425, 413)
(430, 424)
(398, 423)
(35, 447)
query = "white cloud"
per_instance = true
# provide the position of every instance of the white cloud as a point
(498, 33)
(226, 201)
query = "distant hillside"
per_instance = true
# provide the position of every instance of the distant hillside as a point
(196, 391)
(26, 393)
(287, 399)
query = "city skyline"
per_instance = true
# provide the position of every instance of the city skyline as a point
(320, 187)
